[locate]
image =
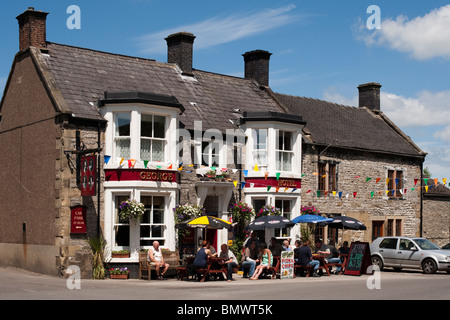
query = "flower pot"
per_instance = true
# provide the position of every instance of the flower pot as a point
(121, 255)
(119, 276)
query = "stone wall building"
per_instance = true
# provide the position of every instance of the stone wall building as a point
(155, 129)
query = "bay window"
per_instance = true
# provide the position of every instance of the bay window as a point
(284, 151)
(259, 153)
(153, 137)
(122, 137)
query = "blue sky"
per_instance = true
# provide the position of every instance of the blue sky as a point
(321, 49)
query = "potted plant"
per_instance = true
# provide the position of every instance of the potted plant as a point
(97, 245)
(121, 254)
(119, 273)
(131, 209)
(268, 210)
(211, 174)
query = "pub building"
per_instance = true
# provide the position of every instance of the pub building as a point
(117, 127)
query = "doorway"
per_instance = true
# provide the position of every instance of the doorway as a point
(211, 206)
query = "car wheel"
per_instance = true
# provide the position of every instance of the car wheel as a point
(376, 261)
(429, 266)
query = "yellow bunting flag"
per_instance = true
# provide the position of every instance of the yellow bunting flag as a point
(121, 160)
(256, 168)
(235, 182)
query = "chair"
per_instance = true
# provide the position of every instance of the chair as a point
(145, 270)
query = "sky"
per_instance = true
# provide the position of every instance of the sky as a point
(320, 49)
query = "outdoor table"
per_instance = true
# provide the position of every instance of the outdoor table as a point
(215, 266)
(323, 263)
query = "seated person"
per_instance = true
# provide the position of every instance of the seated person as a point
(286, 246)
(266, 261)
(230, 260)
(157, 260)
(250, 258)
(275, 247)
(305, 258)
(201, 258)
(298, 244)
(334, 256)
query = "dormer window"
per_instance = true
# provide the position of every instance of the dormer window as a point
(141, 126)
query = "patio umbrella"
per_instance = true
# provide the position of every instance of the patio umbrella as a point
(270, 222)
(311, 218)
(207, 222)
(344, 222)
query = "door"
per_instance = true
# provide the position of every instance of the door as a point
(377, 229)
(409, 254)
(388, 249)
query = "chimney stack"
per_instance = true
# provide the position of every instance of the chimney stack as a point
(32, 29)
(257, 66)
(369, 95)
(180, 50)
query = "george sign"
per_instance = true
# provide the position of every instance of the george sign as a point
(287, 265)
(140, 175)
(78, 219)
(358, 259)
(88, 175)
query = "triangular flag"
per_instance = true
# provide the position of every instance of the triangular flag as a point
(121, 160)
(308, 191)
(396, 181)
(315, 173)
(278, 175)
(180, 168)
(131, 162)
(146, 163)
(235, 182)
(426, 188)
(340, 194)
(109, 157)
(318, 193)
(277, 188)
(242, 184)
(252, 185)
(371, 194)
(426, 181)
(387, 181)
(415, 181)
(158, 167)
(334, 193)
(245, 172)
(354, 194)
(256, 168)
(368, 179)
(169, 167)
(234, 170)
(213, 168)
(286, 189)
(435, 182)
(268, 188)
(266, 174)
(378, 180)
(444, 180)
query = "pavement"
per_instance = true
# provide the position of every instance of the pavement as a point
(16, 284)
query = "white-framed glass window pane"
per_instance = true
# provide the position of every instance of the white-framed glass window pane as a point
(259, 153)
(153, 134)
(284, 151)
(285, 207)
(210, 154)
(121, 227)
(122, 138)
(152, 226)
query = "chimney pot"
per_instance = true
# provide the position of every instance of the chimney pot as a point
(180, 50)
(369, 95)
(32, 29)
(257, 66)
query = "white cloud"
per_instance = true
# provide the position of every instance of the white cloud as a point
(219, 30)
(423, 37)
(443, 134)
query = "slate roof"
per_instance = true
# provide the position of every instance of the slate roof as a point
(83, 76)
(349, 127)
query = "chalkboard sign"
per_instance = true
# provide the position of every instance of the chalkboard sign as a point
(358, 259)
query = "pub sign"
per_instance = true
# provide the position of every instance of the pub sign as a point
(88, 175)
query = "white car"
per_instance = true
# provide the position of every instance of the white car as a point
(411, 253)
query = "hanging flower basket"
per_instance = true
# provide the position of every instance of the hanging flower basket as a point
(309, 210)
(268, 210)
(187, 211)
(131, 209)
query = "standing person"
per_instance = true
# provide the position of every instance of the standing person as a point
(230, 260)
(266, 261)
(249, 258)
(305, 258)
(157, 260)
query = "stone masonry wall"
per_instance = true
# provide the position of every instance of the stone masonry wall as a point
(353, 168)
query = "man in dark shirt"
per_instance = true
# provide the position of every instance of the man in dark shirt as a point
(305, 258)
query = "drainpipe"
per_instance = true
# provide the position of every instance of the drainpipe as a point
(421, 198)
